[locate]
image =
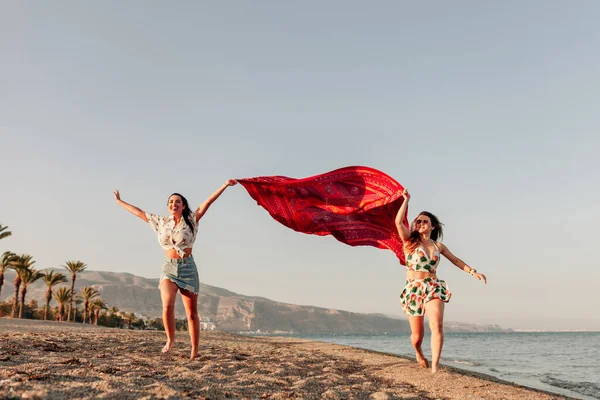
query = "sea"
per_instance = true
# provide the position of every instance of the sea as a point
(566, 363)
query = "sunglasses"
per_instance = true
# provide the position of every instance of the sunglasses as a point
(422, 221)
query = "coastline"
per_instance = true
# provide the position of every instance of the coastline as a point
(42, 359)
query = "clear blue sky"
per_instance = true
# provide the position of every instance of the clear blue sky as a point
(487, 112)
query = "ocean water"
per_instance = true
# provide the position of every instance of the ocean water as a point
(566, 363)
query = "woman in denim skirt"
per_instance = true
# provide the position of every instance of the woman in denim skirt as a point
(176, 234)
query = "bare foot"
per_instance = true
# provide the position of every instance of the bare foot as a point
(421, 359)
(434, 369)
(168, 347)
(194, 354)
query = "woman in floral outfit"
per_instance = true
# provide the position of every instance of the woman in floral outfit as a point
(423, 291)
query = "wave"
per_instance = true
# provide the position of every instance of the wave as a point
(586, 388)
(469, 363)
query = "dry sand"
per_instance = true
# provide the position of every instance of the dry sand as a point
(69, 361)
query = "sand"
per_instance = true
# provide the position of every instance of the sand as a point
(55, 360)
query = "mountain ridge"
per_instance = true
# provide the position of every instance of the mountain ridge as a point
(232, 311)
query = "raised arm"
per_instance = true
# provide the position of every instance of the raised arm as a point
(200, 211)
(132, 209)
(402, 229)
(460, 263)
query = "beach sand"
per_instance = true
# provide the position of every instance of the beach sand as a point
(54, 360)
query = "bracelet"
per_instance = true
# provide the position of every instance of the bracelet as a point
(473, 271)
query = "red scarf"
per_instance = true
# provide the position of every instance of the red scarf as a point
(356, 205)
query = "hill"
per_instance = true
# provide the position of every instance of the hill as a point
(231, 311)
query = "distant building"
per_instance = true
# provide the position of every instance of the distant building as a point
(206, 324)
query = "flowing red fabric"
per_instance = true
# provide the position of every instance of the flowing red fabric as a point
(356, 205)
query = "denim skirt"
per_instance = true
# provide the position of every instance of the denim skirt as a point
(182, 272)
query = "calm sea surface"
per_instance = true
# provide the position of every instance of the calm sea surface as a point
(567, 363)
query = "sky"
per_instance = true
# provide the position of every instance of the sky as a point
(487, 112)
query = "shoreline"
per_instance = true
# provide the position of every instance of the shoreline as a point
(466, 366)
(44, 359)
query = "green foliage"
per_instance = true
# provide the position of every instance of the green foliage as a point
(75, 266)
(3, 232)
(5, 308)
(94, 308)
(181, 325)
(156, 323)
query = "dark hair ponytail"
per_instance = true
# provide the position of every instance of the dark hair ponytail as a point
(187, 214)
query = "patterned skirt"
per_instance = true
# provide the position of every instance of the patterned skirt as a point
(417, 292)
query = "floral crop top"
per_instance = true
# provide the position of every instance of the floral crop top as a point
(419, 261)
(170, 236)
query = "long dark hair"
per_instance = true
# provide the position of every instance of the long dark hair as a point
(187, 214)
(414, 238)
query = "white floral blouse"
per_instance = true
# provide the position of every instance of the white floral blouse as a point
(171, 236)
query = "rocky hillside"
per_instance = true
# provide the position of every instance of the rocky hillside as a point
(229, 311)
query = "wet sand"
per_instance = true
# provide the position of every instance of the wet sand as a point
(54, 360)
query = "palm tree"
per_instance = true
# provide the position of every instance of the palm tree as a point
(73, 267)
(77, 300)
(114, 319)
(92, 310)
(126, 319)
(62, 296)
(131, 318)
(51, 278)
(5, 260)
(97, 306)
(19, 264)
(88, 293)
(4, 234)
(28, 275)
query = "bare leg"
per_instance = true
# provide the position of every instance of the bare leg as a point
(435, 313)
(416, 338)
(168, 294)
(190, 302)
